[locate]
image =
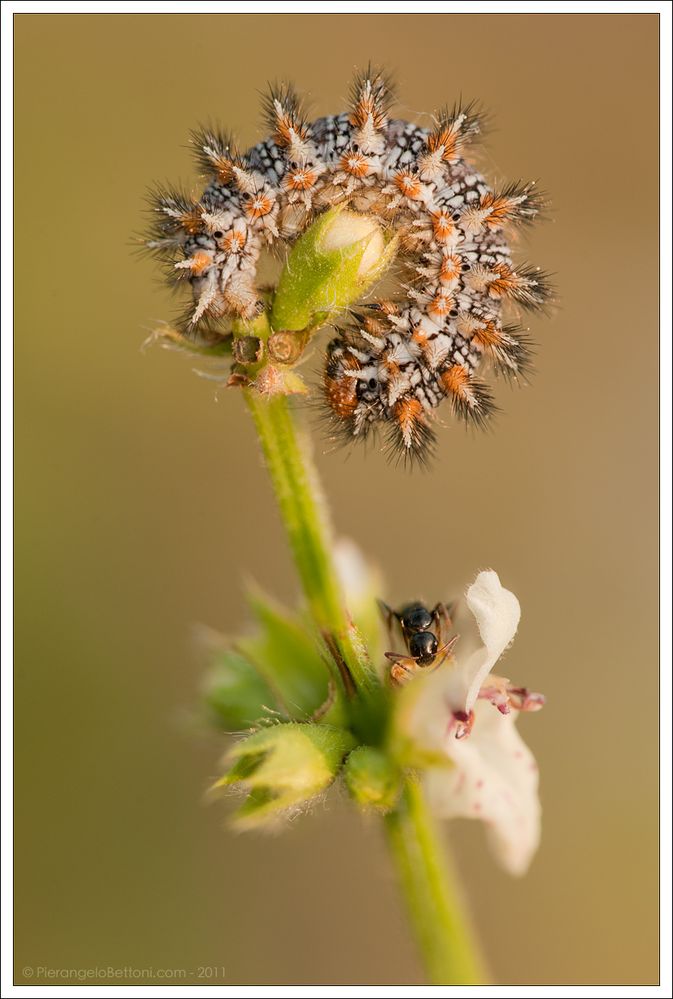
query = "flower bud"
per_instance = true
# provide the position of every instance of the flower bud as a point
(283, 767)
(373, 780)
(361, 583)
(331, 265)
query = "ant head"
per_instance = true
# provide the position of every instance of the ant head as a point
(423, 647)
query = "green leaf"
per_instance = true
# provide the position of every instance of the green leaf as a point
(235, 692)
(288, 656)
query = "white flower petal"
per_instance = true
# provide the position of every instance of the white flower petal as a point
(424, 710)
(497, 613)
(361, 584)
(494, 778)
(352, 568)
(429, 701)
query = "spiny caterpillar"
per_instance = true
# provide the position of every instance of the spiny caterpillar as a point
(453, 313)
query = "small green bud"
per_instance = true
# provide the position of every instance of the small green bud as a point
(331, 265)
(372, 778)
(284, 766)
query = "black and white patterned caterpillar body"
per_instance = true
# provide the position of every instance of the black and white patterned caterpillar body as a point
(392, 362)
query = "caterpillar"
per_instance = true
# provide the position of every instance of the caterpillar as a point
(451, 316)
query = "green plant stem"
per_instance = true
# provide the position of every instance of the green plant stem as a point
(304, 517)
(432, 898)
(448, 952)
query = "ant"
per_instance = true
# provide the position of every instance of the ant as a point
(425, 634)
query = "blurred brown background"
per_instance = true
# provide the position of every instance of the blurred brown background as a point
(130, 477)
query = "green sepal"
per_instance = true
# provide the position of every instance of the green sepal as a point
(283, 767)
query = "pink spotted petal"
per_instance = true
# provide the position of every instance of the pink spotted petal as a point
(495, 779)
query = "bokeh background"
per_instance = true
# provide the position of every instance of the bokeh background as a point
(141, 505)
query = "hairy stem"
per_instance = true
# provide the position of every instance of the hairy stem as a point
(304, 517)
(432, 898)
(425, 877)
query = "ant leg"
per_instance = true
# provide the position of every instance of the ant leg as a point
(389, 616)
(441, 615)
(395, 657)
(443, 653)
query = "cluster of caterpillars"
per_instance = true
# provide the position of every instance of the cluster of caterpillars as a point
(392, 362)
